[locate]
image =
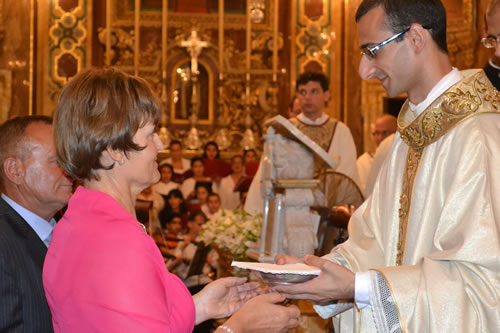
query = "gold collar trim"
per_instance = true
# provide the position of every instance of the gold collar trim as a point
(473, 95)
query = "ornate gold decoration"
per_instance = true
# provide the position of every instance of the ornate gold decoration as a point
(124, 15)
(413, 159)
(315, 42)
(461, 102)
(462, 34)
(5, 94)
(2, 26)
(322, 135)
(62, 49)
(227, 91)
(68, 33)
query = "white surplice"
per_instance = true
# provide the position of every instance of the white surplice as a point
(342, 149)
(431, 228)
(229, 199)
(364, 165)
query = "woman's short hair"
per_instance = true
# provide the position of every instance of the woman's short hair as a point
(97, 109)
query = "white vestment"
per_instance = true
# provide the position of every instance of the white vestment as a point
(364, 165)
(186, 165)
(380, 155)
(431, 228)
(229, 199)
(342, 148)
(164, 188)
(188, 187)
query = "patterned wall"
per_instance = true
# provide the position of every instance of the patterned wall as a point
(64, 27)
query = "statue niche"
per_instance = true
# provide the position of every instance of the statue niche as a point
(182, 84)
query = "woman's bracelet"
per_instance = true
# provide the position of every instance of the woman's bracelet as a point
(225, 328)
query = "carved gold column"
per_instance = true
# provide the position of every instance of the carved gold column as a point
(316, 45)
(32, 58)
(63, 48)
(248, 140)
(221, 137)
(275, 55)
(108, 33)
(248, 54)
(137, 31)
(164, 36)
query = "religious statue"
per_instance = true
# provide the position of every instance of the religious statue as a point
(194, 46)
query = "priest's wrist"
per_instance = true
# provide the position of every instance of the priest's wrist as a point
(200, 310)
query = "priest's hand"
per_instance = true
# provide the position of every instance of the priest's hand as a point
(335, 282)
(222, 297)
(262, 314)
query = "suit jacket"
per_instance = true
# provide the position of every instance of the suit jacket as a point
(23, 306)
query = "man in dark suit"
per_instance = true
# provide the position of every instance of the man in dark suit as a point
(34, 188)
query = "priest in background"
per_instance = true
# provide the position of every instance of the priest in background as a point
(384, 126)
(330, 134)
(423, 250)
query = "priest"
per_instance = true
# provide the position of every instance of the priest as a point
(330, 134)
(423, 253)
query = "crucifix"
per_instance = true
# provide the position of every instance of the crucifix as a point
(194, 46)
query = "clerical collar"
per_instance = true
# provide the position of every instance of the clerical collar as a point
(444, 84)
(492, 64)
(319, 121)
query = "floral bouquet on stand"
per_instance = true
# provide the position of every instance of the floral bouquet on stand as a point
(232, 235)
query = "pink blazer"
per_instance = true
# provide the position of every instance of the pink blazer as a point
(103, 273)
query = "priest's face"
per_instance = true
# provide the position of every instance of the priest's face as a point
(392, 63)
(312, 98)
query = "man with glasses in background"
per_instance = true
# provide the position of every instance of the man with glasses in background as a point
(423, 250)
(385, 126)
(492, 29)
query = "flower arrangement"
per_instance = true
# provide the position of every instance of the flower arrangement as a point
(235, 232)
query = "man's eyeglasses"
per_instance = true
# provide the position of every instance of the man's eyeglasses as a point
(371, 52)
(490, 41)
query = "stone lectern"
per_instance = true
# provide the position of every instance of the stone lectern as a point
(287, 184)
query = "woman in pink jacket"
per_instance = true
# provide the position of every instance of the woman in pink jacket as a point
(102, 272)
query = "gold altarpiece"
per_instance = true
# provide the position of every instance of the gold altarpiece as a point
(50, 41)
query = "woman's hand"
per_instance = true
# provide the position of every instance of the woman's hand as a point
(261, 315)
(223, 297)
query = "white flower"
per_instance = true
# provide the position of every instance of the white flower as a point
(234, 231)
